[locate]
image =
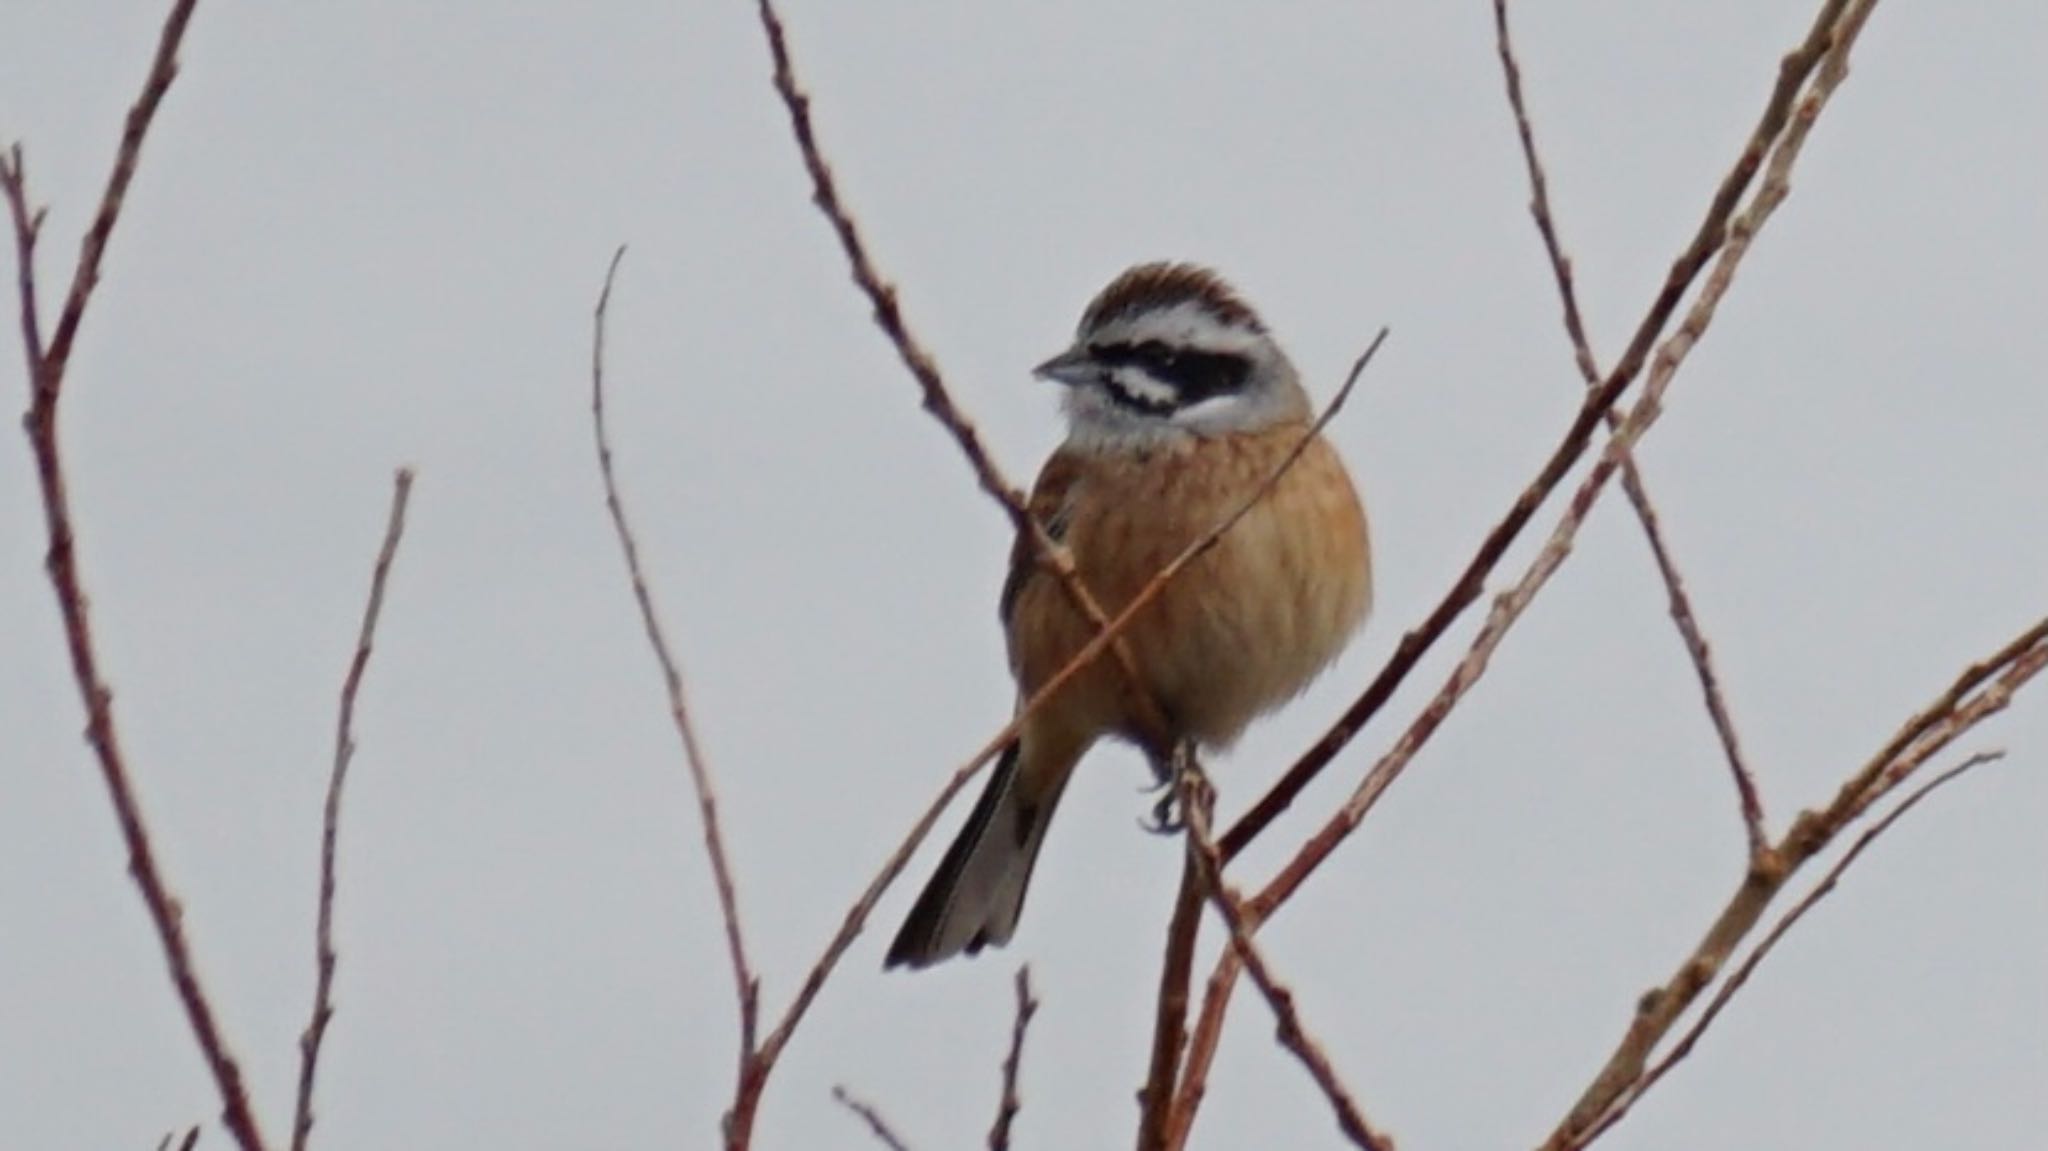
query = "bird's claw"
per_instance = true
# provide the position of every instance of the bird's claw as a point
(1170, 773)
(1166, 817)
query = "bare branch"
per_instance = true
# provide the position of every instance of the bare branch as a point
(868, 1114)
(46, 368)
(1632, 484)
(746, 985)
(1983, 690)
(1713, 231)
(28, 226)
(1960, 707)
(1739, 977)
(1011, 1103)
(190, 1140)
(92, 252)
(1156, 1099)
(330, 826)
(1196, 802)
(1202, 1048)
(1539, 201)
(1749, 801)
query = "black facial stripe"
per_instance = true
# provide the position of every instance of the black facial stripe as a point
(1194, 375)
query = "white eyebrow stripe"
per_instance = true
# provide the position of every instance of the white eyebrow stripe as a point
(1186, 325)
(1142, 385)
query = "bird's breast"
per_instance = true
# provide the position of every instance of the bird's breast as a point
(1247, 625)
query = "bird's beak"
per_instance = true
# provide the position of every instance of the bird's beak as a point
(1072, 367)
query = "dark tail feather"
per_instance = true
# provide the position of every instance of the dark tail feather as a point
(974, 898)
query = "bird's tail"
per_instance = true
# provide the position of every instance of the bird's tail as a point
(975, 897)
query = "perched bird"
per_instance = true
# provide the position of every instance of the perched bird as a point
(1179, 404)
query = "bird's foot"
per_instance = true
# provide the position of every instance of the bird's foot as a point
(1165, 818)
(1173, 776)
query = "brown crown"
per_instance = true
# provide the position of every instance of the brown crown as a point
(1149, 287)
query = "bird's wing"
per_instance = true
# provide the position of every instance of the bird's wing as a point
(1052, 500)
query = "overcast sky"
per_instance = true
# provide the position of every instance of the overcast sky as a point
(370, 234)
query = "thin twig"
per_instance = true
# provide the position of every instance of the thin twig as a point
(869, 1115)
(92, 252)
(1010, 1102)
(1705, 243)
(746, 985)
(1203, 1044)
(1539, 201)
(1938, 724)
(1632, 484)
(1749, 800)
(46, 368)
(1170, 1012)
(1195, 802)
(1740, 976)
(330, 823)
(190, 1140)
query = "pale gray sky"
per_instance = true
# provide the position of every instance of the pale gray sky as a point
(371, 234)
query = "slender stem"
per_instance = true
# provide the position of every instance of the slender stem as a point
(46, 368)
(324, 958)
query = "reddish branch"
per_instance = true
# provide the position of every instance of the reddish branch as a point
(1739, 977)
(1010, 1102)
(1202, 1047)
(1293, 1035)
(330, 827)
(868, 1113)
(752, 1068)
(47, 363)
(1156, 1106)
(1982, 690)
(1632, 485)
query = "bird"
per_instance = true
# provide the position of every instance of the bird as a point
(1179, 404)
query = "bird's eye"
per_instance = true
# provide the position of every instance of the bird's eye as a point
(1158, 355)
